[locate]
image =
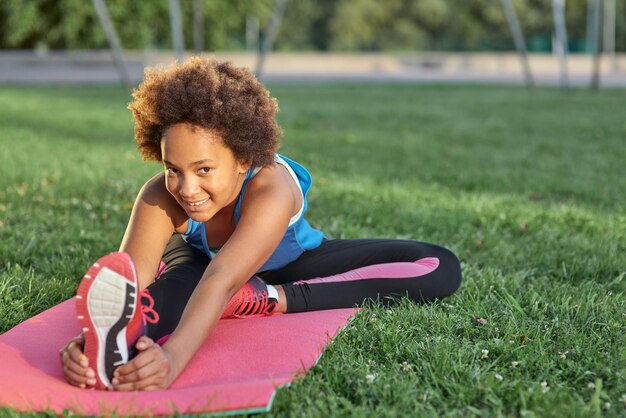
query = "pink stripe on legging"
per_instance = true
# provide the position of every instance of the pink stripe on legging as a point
(163, 339)
(399, 270)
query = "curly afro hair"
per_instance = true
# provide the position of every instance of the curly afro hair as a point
(210, 94)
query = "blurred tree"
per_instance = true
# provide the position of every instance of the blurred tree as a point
(476, 25)
(225, 21)
(620, 24)
(365, 25)
(305, 25)
(341, 25)
(73, 24)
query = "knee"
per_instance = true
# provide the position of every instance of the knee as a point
(450, 271)
(445, 279)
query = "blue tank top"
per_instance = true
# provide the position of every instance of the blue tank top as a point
(300, 236)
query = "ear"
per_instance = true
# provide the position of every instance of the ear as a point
(243, 166)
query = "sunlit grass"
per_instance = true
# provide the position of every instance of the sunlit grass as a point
(527, 188)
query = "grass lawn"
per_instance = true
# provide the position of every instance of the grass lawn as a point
(527, 188)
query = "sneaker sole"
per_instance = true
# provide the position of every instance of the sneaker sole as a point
(105, 304)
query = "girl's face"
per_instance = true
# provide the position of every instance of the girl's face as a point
(201, 173)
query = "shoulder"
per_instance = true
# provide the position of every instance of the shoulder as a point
(155, 194)
(273, 186)
(274, 179)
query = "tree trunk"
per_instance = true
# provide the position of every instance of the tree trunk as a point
(270, 34)
(609, 32)
(596, 21)
(114, 43)
(252, 33)
(177, 30)
(518, 38)
(198, 26)
(558, 10)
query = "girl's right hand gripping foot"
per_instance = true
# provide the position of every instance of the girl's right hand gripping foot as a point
(75, 364)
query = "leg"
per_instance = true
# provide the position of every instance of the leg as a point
(344, 273)
(185, 266)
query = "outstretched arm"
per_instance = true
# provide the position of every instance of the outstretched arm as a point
(267, 208)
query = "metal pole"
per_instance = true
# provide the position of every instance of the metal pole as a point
(558, 10)
(590, 21)
(595, 37)
(177, 30)
(198, 26)
(252, 33)
(518, 38)
(270, 34)
(114, 43)
(609, 32)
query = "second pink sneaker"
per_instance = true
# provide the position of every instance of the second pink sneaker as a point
(250, 301)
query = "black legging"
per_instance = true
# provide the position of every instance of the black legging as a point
(337, 274)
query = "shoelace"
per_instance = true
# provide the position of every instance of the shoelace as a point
(147, 310)
(254, 303)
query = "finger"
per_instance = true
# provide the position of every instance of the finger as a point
(76, 379)
(140, 361)
(155, 381)
(78, 342)
(73, 380)
(74, 383)
(74, 344)
(68, 363)
(77, 368)
(152, 375)
(77, 373)
(143, 343)
(144, 373)
(75, 352)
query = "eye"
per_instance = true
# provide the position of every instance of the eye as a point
(204, 170)
(170, 171)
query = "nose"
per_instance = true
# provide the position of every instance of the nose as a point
(187, 187)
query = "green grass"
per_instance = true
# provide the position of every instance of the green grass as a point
(527, 188)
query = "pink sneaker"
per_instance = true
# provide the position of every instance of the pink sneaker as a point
(250, 301)
(108, 306)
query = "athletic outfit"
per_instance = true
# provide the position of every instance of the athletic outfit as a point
(300, 236)
(315, 272)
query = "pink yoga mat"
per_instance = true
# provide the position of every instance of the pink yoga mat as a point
(239, 367)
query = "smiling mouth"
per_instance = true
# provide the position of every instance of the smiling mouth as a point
(198, 203)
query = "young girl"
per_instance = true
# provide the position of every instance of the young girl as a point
(223, 228)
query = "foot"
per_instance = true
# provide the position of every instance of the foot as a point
(251, 300)
(110, 314)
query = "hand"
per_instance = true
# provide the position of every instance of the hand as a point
(76, 365)
(152, 369)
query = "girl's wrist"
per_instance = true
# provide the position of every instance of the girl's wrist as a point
(178, 357)
(174, 368)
